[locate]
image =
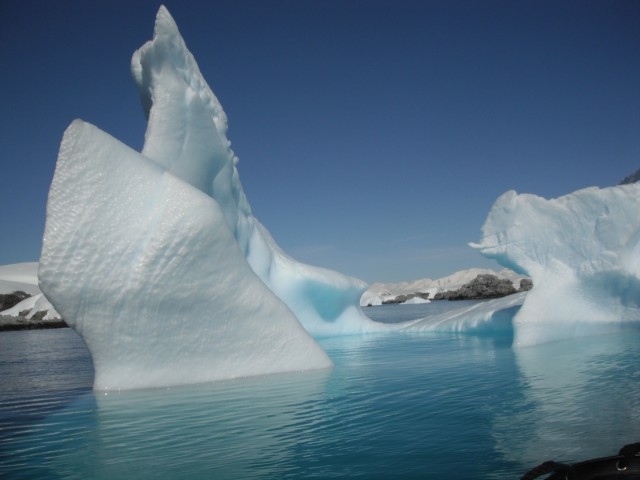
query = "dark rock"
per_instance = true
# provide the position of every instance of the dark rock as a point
(484, 286)
(9, 300)
(525, 285)
(39, 316)
(633, 178)
(8, 323)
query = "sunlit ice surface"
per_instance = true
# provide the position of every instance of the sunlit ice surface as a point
(140, 248)
(582, 252)
(396, 405)
(155, 257)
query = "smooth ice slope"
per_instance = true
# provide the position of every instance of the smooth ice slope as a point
(143, 266)
(582, 252)
(186, 135)
(489, 317)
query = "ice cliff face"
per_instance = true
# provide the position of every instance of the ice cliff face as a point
(582, 252)
(155, 258)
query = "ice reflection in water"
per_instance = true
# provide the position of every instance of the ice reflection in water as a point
(583, 398)
(395, 406)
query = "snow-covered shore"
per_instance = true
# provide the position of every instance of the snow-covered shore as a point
(34, 311)
(379, 293)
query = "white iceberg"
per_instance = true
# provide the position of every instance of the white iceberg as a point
(582, 252)
(144, 268)
(155, 258)
(187, 136)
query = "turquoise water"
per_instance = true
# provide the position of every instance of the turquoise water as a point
(395, 406)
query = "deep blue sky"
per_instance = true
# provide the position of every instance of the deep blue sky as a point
(373, 136)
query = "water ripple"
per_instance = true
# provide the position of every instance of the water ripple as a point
(394, 406)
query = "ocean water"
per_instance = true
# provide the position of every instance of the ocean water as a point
(454, 406)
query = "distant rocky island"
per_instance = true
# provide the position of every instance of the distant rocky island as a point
(471, 284)
(483, 287)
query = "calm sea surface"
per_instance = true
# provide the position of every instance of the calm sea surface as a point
(395, 406)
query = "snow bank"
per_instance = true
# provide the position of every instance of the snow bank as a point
(416, 300)
(33, 305)
(582, 252)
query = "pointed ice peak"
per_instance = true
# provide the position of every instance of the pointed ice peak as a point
(168, 50)
(186, 133)
(165, 24)
(187, 136)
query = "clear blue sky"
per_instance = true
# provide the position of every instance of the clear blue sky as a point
(373, 136)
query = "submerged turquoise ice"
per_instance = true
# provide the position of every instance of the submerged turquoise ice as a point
(430, 405)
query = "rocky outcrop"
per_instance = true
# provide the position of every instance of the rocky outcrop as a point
(22, 311)
(8, 300)
(526, 284)
(34, 323)
(417, 290)
(485, 286)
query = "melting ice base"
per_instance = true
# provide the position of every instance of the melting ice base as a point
(155, 258)
(582, 252)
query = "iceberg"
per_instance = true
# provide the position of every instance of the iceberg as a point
(144, 268)
(187, 136)
(582, 252)
(23, 277)
(155, 258)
